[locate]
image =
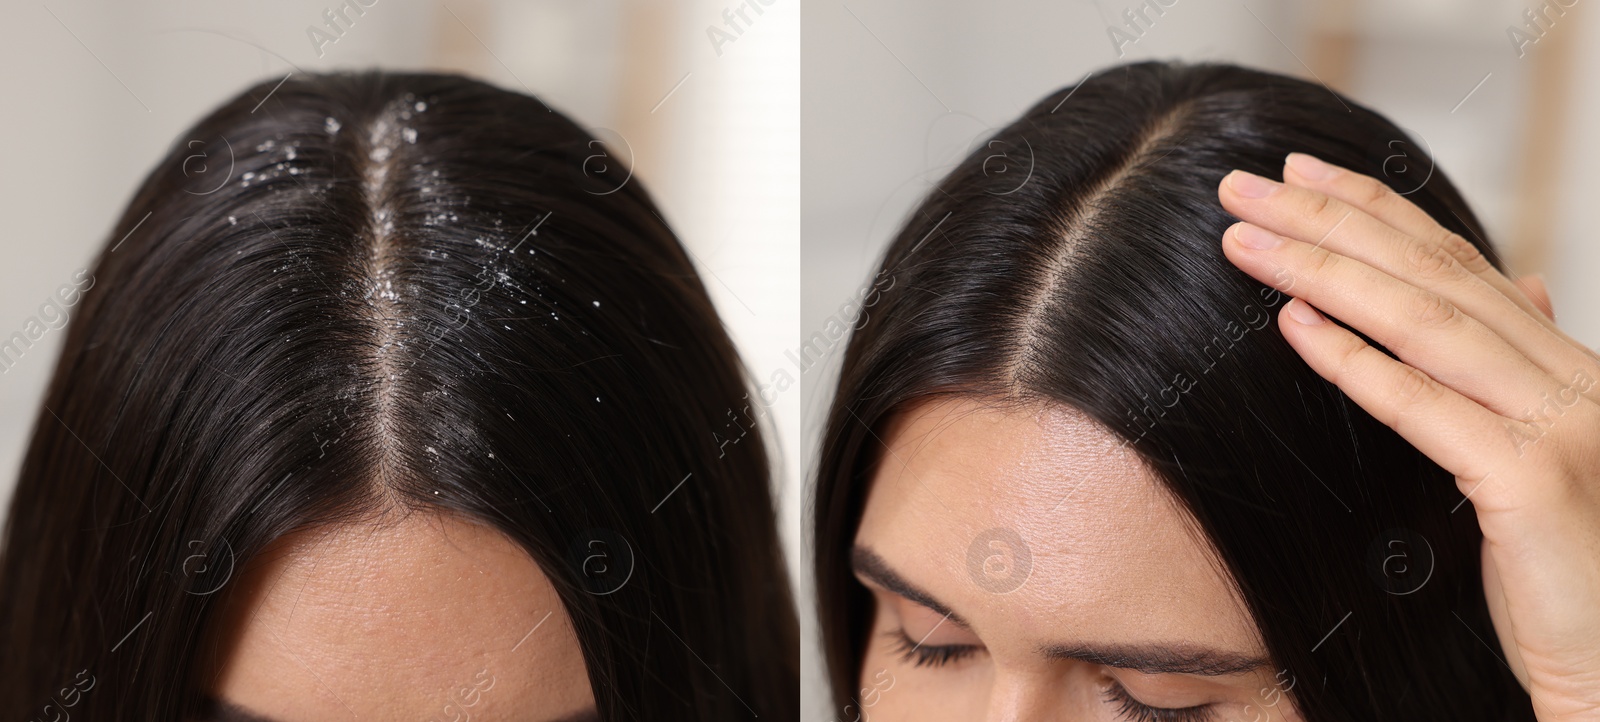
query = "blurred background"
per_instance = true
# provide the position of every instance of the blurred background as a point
(708, 104)
(896, 92)
(100, 90)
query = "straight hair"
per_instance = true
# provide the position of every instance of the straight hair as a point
(1085, 269)
(357, 293)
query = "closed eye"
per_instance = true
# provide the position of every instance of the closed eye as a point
(928, 655)
(1133, 710)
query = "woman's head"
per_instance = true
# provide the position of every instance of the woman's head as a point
(395, 392)
(1073, 466)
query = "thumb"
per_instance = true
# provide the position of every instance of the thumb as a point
(1499, 615)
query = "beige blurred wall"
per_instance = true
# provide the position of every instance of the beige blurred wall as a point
(97, 91)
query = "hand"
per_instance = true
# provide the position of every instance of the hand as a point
(1486, 386)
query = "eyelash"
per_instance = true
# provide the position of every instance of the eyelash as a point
(922, 655)
(1128, 708)
(1131, 709)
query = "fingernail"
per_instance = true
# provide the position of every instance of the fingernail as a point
(1250, 185)
(1256, 237)
(1304, 313)
(1310, 167)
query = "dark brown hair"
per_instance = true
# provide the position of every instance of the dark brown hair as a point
(357, 292)
(1087, 270)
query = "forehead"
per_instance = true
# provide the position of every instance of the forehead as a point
(1032, 522)
(399, 618)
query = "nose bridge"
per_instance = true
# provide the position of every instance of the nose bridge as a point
(1021, 697)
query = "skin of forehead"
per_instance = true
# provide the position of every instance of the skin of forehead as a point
(397, 618)
(1113, 558)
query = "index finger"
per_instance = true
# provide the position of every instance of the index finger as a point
(1377, 199)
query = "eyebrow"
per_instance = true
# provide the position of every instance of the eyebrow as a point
(868, 564)
(1160, 659)
(220, 710)
(1148, 659)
